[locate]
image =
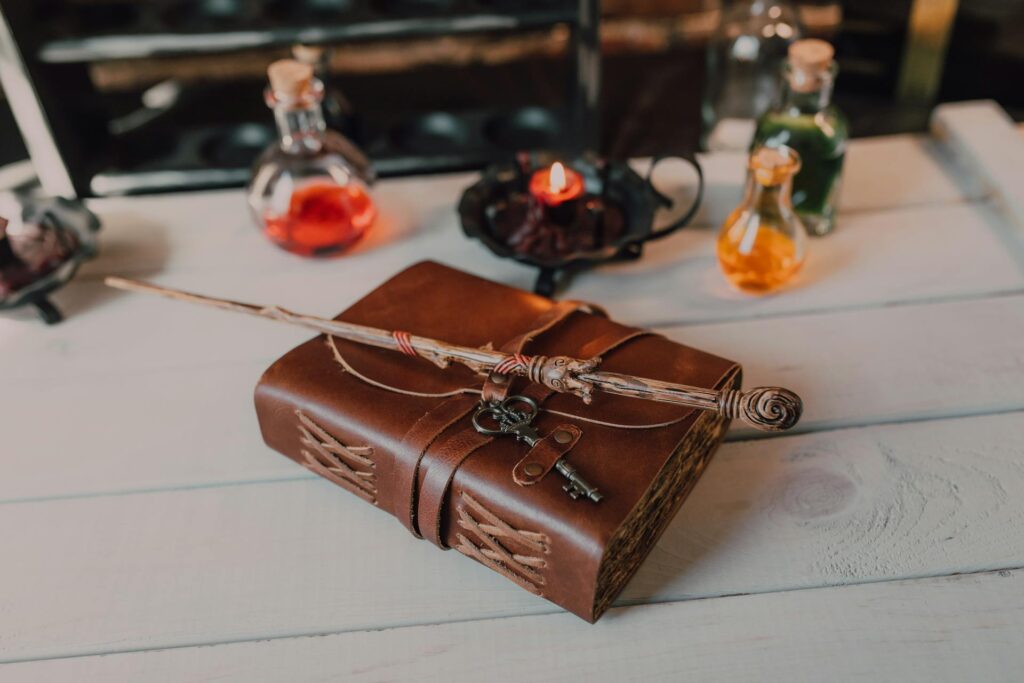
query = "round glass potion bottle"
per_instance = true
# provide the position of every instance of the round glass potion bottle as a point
(308, 191)
(762, 243)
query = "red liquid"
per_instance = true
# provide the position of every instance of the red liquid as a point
(322, 219)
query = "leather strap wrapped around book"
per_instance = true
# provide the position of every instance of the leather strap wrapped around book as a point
(425, 431)
(539, 460)
(408, 456)
(441, 468)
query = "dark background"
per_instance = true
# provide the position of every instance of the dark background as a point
(653, 71)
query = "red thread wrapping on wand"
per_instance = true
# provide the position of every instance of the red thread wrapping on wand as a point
(516, 364)
(404, 341)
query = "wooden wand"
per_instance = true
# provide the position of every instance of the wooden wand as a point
(769, 409)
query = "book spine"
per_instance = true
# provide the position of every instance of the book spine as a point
(352, 467)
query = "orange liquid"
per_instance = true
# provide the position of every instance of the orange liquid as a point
(322, 219)
(763, 266)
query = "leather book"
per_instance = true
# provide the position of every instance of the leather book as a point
(397, 431)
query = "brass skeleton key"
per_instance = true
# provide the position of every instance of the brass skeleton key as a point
(513, 416)
(577, 485)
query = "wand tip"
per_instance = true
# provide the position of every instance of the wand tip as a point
(115, 282)
(770, 409)
(128, 285)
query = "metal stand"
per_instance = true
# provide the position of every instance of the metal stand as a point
(49, 313)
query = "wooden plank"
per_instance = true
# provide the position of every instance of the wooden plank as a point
(880, 259)
(175, 407)
(881, 365)
(136, 431)
(115, 332)
(872, 259)
(175, 568)
(881, 173)
(982, 137)
(956, 628)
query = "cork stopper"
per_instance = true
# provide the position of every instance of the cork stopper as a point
(773, 165)
(308, 54)
(811, 54)
(289, 78)
(810, 61)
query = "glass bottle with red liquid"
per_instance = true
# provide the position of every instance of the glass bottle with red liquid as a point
(309, 190)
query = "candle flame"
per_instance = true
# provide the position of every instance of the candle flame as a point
(556, 181)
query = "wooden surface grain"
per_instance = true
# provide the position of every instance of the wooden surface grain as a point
(982, 138)
(957, 628)
(852, 368)
(272, 559)
(148, 534)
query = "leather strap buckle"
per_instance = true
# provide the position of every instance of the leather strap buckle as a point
(541, 459)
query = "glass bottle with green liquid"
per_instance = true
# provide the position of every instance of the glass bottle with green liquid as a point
(806, 120)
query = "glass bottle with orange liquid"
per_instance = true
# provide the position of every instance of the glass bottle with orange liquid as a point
(309, 190)
(762, 243)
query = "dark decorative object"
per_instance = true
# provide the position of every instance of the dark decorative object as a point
(610, 221)
(42, 251)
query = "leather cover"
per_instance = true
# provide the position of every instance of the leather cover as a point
(419, 458)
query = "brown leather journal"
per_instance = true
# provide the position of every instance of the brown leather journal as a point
(397, 431)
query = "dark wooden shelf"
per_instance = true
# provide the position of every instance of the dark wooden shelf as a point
(140, 45)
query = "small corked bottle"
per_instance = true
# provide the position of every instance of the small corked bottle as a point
(309, 190)
(762, 243)
(806, 120)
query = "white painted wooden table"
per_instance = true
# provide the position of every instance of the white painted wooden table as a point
(147, 534)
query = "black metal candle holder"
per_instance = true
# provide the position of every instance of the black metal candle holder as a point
(611, 220)
(64, 235)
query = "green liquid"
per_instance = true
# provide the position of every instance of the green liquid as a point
(820, 140)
